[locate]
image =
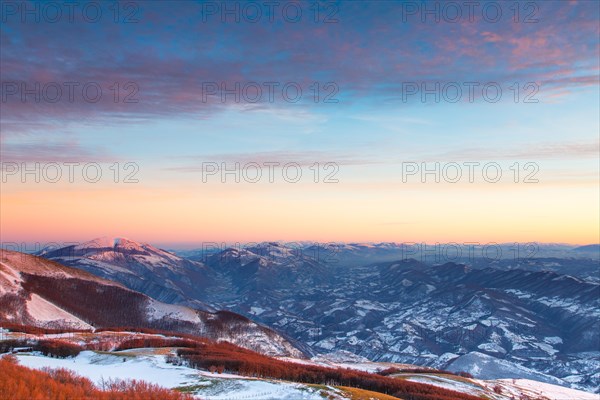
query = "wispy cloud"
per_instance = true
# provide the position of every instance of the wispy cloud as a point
(369, 53)
(60, 152)
(534, 151)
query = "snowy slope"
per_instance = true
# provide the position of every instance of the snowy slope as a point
(150, 365)
(502, 389)
(39, 292)
(154, 368)
(45, 312)
(534, 388)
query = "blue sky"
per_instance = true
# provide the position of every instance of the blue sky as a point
(371, 55)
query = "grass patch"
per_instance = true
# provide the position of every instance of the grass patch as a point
(191, 389)
(360, 394)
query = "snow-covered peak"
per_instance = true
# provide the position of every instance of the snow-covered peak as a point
(107, 242)
(13, 264)
(107, 248)
(104, 242)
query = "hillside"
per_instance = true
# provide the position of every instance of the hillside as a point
(142, 267)
(38, 292)
(219, 371)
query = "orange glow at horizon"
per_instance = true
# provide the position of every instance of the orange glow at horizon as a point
(337, 213)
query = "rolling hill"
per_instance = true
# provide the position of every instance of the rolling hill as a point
(38, 292)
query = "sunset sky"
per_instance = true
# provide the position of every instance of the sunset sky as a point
(367, 56)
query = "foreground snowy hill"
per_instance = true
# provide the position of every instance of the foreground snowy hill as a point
(153, 368)
(161, 366)
(38, 292)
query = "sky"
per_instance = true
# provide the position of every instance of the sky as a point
(183, 122)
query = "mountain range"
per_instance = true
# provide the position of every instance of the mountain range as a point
(535, 318)
(38, 292)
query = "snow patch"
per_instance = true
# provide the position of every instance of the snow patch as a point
(157, 311)
(42, 310)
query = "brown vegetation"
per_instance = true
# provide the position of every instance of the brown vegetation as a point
(155, 342)
(231, 358)
(394, 370)
(20, 383)
(49, 348)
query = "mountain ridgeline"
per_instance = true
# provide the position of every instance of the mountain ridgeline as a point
(38, 292)
(535, 318)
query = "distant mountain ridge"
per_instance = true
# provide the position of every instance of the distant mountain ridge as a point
(142, 267)
(592, 250)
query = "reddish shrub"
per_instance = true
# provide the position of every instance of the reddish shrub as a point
(155, 342)
(17, 382)
(57, 348)
(389, 371)
(8, 345)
